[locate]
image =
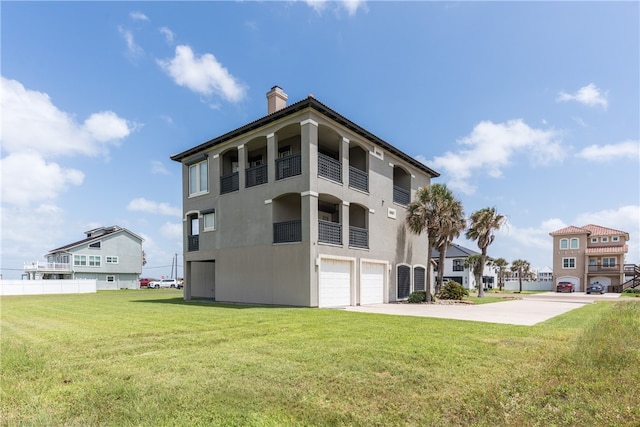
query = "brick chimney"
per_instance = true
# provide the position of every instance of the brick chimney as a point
(276, 99)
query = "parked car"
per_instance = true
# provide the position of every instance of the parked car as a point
(565, 287)
(595, 288)
(164, 283)
(144, 282)
(180, 284)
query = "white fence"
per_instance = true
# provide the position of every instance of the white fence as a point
(42, 287)
(514, 285)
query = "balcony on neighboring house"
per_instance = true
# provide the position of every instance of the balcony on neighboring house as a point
(229, 183)
(329, 232)
(47, 267)
(193, 243)
(401, 196)
(287, 231)
(256, 175)
(288, 166)
(330, 168)
(358, 237)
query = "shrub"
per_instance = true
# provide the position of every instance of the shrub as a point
(631, 291)
(453, 290)
(417, 297)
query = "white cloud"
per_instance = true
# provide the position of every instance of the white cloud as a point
(132, 47)
(158, 168)
(27, 178)
(168, 34)
(588, 95)
(138, 16)
(30, 121)
(608, 152)
(203, 75)
(491, 147)
(172, 231)
(143, 205)
(350, 6)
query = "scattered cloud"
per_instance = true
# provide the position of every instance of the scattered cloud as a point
(143, 205)
(350, 6)
(157, 167)
(132, 48)
(624, 218)
(138, 16)
(490, 147)
(169, 36)
(588, 95)
(172, 231)
(609, 152)
(31, 122)
(203, 75)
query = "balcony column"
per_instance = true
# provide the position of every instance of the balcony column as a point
(344, 220)
(271, 157)
(214, 174)
(309, 216)
(242, 166)
(309, 152)
(344, 152)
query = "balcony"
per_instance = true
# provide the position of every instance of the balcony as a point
(358, 237)
(230, 183)
(358, 179)
(46, 267)
(256, 175)
(193, 243)
(329, 232)
(288, 166)
(401, 196)
(604, 268)
(287, 231)
(329, 167)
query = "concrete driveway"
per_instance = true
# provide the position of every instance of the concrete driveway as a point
(528, 311)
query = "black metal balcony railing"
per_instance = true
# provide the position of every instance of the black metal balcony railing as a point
(358, 237)
(230, 182)
(287, 231)
(256, 175)
(458, 268)
(401, 196)
(358, 179)
(289, 166)
(329, 167)
(193, 243)
(614, 268)
(329, 232)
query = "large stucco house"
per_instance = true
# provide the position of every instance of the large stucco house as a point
(301, 207)
(110, 255)
(592, 253)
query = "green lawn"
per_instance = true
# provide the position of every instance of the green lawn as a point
(148, 358)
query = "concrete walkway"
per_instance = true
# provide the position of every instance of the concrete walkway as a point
(528, 311)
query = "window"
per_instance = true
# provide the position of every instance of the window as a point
(198, 178)
(111, 260)
(111, 279)
(284, 151)
(95, 260)
(209, 220)
(458, 265)
(94, 245)
(564, 244)
(79, 260)
(568, 263)
(615, 239)
(604, 239)
(574, 243)
(594, 240)
(608, 262)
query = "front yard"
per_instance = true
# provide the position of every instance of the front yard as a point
(148, 358)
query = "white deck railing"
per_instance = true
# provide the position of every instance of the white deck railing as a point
(46, 266)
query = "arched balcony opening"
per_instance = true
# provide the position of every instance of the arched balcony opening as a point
(288, 151)
(287, 218)
(256, 172)
(229, 171)
(329, 154)
(401, 186)
(329, 220)
(358, 226)
(358, 168)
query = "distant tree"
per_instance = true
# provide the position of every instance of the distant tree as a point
(499, 265)
(482, 224)
(472, 262)
(523, 268)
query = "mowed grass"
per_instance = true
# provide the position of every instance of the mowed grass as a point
(148, 358)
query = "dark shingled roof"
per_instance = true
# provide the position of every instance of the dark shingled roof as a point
(313, 103)
(454, 251)
(107, 232)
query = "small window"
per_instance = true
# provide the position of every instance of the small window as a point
(111, 279)
(198, 178)
(615, 239)
(574, 243)
(564, 244)
(284, 151)
(255, 161)
(95, 260)
(80, 260)
(95, 245)
(209, 220)
(604, 239)
(111, 259)
(568, 263)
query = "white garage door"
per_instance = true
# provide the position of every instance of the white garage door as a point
(372, 283)
(335, 283)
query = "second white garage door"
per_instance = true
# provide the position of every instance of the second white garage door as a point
(372, 283)
(335, 283)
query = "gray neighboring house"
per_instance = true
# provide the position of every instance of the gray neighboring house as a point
(110, 255)
(455, 270)
(301, 207)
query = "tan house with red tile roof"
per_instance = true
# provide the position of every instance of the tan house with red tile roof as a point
(589, 254)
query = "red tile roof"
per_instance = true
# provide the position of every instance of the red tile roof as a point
(590, 230)
(570, 230)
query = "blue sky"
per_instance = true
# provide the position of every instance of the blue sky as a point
(529, 107)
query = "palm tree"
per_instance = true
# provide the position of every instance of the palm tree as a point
(500, 267)
(523, 268)
(437, 213)
(472, 262)
(482, 223)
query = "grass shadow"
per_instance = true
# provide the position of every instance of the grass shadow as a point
(207, 302)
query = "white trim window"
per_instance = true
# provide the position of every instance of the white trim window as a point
(564, 243)
(615, 239)
(95, 261)
(209, 220)
(199, 178)
(568, 263)
(594, 240)
(80, 260)
(604, 239)
(111, 259)
(574, 243)
(111, 279)
(609, 262)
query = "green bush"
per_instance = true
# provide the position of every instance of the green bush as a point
(453, 290)
(631, 291)
(417, 297)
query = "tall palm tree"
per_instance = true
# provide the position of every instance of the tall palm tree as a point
(523, 268)
(472, 262)
(482, 224)
(437, 213)
(500, 267)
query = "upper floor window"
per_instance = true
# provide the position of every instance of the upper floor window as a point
(568, 263)
(615, 239)
(604, 239)
(209, 220)
(573, 243)
(111, 259)
(95, 260)
(594, 240)
(80, 260)
(564, 243)
(458, 265)
(95, 245)
(199, 178)
(608, 262)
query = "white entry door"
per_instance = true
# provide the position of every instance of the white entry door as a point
(372, 283)
(335, 283)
